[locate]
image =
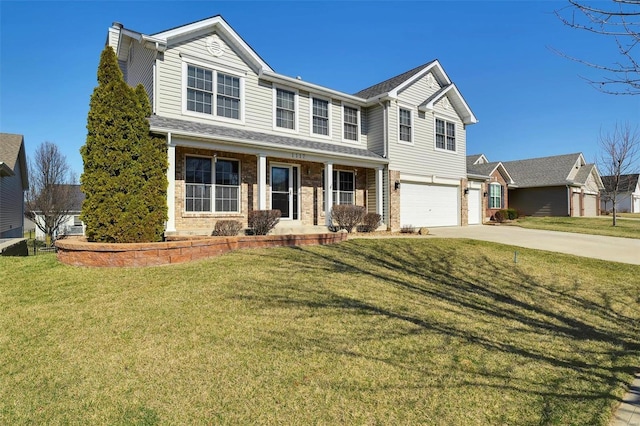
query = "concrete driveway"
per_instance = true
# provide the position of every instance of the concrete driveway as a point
(625, 250)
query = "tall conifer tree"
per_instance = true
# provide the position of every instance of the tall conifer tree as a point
(124, 178)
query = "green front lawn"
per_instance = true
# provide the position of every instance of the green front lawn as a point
(602, 225)
(390, 331)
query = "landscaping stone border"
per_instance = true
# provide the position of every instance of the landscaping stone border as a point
(177, 249)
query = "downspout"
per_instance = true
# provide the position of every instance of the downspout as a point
(569, 200)
(385, 155)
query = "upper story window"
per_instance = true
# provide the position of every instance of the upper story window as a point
(495, 196)
(223, 99)
(285, 109)
(405, 125)
(445, 135)
(212, 186)
(320, 117)
(350, 118)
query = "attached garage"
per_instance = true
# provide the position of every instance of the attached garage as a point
(475, 206)
(428, 205)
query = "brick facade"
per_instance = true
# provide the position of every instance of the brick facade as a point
(394, 200)
(496, 177)
(464, 203)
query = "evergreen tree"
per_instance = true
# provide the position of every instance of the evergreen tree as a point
(124, 178)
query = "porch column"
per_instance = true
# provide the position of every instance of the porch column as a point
(171, 187)
(262, 182)
(379, 192)
(328, 192)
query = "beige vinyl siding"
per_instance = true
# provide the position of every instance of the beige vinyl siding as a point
(375, 129)
(140, 68)
(371, 191)
(112, 38)
(591, 184)
(11, 200)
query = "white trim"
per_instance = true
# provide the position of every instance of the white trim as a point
(262, 182)
(214, 159)
(342, 123)
(429, 179)
(467, 117)
(328, 192)
(296, 114)
(214, 101)
(171, 187)
(298, 191)
(313, 96)
(379, 191)
(413, 123)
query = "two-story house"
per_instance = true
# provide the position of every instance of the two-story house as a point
(242, 137)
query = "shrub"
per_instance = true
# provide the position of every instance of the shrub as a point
(263, 221)
(227, 228)
(370, 222)
(407, 229)
(347, 216)
(499, 216)
(512, 214)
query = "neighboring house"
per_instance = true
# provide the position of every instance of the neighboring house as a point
(628, 196)
(492, 192)
(13, 182)
(561, 185)
(242, 137)
(71, 223)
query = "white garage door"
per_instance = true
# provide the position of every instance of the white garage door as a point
(428, 205)
(475, 212)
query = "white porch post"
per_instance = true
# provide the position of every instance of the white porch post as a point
(171, 188)
(328, 192)
(262, 182)
(379, 192)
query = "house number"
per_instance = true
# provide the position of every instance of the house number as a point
(299, 156)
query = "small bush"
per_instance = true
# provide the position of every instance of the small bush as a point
(347, 216)
(370, 222)
(227, 228)
(407, 229)
(512, 214)
(499, 216)
(263, 221)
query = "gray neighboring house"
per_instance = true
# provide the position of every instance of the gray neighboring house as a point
(495, 182)
(628, 197)
(71, 225)
(561, 185)
(14, 181)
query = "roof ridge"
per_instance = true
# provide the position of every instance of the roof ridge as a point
(402, 77)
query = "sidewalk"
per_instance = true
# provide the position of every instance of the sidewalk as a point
(628, 413)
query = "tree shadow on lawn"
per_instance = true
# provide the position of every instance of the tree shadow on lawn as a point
(504, 299)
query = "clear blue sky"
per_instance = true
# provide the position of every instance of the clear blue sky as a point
(530, 101)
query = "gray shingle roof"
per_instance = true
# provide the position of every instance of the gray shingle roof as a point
(11, 146)
(627, 183)
(545, 171)
(390, 84)
(212, 131)
(484, 169)
(583, 174)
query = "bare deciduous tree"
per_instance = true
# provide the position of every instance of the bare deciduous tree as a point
(617, 158)
(619, 20)
(51, 196)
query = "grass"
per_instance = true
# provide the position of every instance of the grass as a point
(629, 215)
(601, 225)
(392, 331)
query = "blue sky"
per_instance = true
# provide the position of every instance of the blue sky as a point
(530, 101)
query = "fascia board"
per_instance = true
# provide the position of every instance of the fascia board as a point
(504, 172)
(467, 116)
(476, 176)
(310, 87)
(5, 170)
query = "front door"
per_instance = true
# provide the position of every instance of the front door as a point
(284, 191)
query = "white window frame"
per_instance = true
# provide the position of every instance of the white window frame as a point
(296, 112)
(358, 124)
(311, 116)
(412, 125)
(336, 184)
(497, 186)
(213, 210)
(435, 135)
(215, 69)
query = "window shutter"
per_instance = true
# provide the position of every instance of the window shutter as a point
(501, 197)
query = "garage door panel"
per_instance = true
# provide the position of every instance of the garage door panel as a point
(428, 205)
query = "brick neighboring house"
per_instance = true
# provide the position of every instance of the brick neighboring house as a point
(14, 180)
(242, 137)
(495, 183)
(561, 185)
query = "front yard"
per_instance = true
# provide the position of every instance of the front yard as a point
(627, 225)
(393, 331)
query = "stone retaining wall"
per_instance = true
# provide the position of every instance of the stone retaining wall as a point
(178, 250)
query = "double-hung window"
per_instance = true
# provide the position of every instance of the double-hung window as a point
(212, 186)
(495, 196)
(445, 135)
(343, 187)
(320, 117)
(285, 109)
(223, 99)
(405, 125)
(350, 117)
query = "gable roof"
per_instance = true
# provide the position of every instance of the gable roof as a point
(548, 171)
(628, 183)
(486, 169)
(78, 197)
(11, 153)
(391, 83)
